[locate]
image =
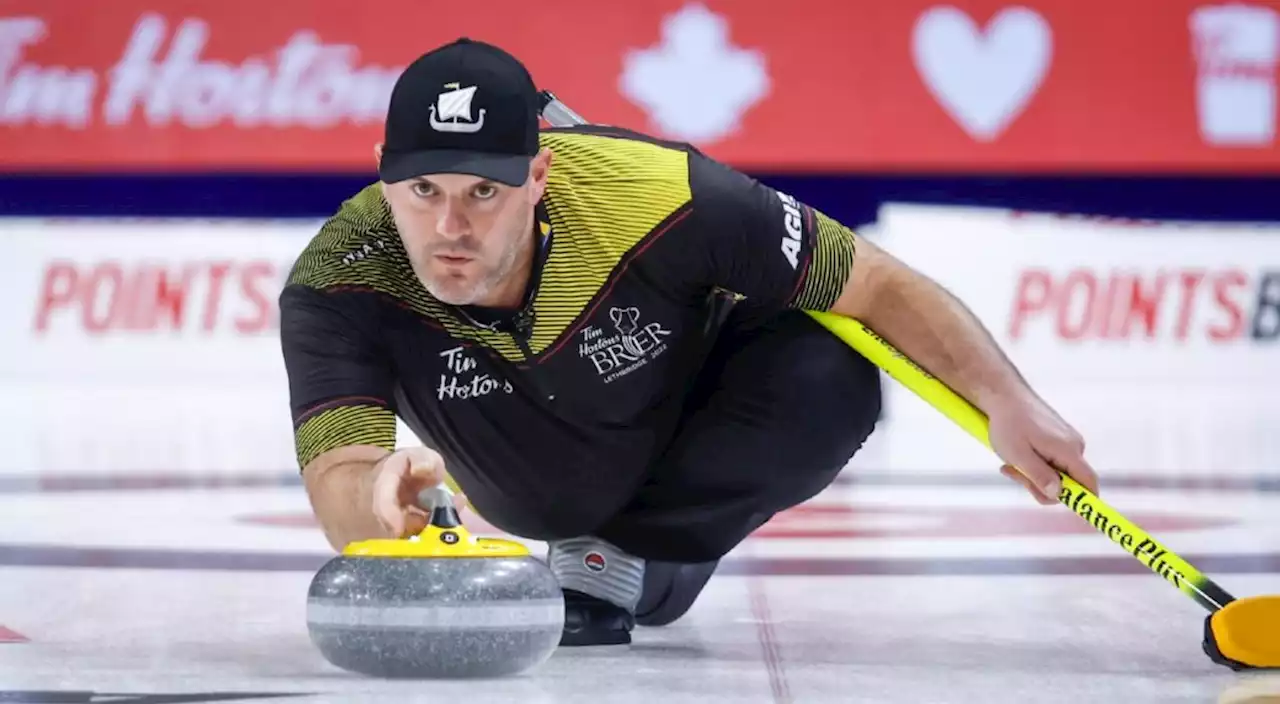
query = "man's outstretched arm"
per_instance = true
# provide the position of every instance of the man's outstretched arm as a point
(779, 252)
(937, 331)
(930, 325)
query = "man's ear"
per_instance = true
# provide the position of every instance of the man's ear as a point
(377, 163)
(539, 168)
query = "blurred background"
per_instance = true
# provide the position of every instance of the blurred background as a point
(1100, 181)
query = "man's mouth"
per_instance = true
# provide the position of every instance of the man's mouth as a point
(454, 258)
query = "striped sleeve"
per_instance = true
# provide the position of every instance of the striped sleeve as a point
(831, 260)
(341, 383)
(343, 422)
(762, 243)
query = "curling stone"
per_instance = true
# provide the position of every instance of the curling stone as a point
(439, 604)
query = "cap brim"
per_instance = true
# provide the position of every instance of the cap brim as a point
(510, 169)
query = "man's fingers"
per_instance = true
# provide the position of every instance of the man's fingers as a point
(418, 479)
(1074, 464)
(425, 469)
(1038, 470)
(401, 477)
(415, 522)
(425, 475)
(386, 493)
(1012, 473)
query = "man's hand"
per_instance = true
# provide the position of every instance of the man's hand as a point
(397, 480)
(1030, 436)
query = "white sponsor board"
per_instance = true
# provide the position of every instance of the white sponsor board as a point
(139, 345)
(152, 346)
(1160, 342)
(145, 301)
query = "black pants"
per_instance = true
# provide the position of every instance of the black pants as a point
(779, 409)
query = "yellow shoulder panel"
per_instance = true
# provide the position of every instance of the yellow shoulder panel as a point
(604, 196)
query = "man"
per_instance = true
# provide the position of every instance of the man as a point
(600, 338)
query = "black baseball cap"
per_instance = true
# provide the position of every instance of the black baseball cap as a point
(466, 108)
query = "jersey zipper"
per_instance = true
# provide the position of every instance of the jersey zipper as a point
(520, 324)
(522, 332)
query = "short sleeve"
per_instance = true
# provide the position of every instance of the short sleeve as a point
(341, 385)
(763, 244)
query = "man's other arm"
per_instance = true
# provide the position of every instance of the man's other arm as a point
(339, 485)
(928, 324)
(340, 394)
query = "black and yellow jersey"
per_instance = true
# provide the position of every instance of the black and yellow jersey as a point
(642, 238)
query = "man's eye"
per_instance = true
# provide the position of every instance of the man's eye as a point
(421, 189)
(485, 192)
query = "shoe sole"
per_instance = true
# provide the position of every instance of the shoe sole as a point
(584, 639)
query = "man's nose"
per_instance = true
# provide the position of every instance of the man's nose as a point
(452, 222)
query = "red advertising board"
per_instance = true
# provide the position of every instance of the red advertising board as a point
(817, 85)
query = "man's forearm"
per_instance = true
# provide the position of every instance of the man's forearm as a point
(938, 332)
(342, 498)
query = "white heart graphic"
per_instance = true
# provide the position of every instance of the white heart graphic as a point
(984, 80)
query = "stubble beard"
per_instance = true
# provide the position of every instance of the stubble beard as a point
(456, 292)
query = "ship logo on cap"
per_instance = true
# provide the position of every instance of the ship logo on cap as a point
(454, 105)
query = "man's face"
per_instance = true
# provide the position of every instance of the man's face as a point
(466, 235)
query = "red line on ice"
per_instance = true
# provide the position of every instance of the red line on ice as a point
(8, 636)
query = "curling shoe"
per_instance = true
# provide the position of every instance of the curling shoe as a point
(601, 586)
(589, 620)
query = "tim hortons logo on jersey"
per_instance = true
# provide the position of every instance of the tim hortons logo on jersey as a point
(629, 348)
(791, 221)
(462, 380)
